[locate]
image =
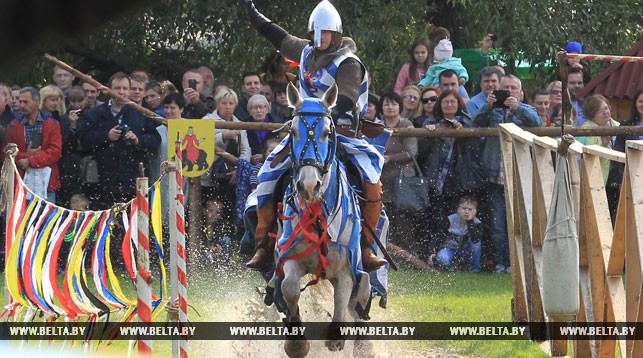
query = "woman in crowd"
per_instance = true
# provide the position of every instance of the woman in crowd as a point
(541, 101)
(411, 103)
(397, 159)
(371, 113)
(449, 164)
(555, 90)
(428, 98)
(153, 99)
(229, 141)
(72, 153)
(259, 109)
(615, 177)
(413, 71)
(52, 101)
(597, 110)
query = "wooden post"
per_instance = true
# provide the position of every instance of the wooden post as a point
(174, 278)
(10, 154)
(634, 240)
(143, 276)
(178, 269)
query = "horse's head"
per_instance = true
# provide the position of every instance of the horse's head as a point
(312, 141)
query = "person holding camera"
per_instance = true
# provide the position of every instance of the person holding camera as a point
(195, 102)
(489, 81)
(502, 106)
(119, 138)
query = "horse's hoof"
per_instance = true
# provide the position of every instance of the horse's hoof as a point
(297, 348)
(269, 299)
(335, 346)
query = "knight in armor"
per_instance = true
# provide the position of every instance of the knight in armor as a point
(329, 58)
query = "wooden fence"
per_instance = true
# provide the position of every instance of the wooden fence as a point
(611, 275)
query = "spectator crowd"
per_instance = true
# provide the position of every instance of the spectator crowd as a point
(87, 147)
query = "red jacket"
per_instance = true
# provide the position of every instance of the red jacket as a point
(51, 148)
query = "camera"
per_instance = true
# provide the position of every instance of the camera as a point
(501, 97)
(192, 84)
(493, 37)
(124, 128)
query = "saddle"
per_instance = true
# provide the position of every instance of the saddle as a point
(366, 128)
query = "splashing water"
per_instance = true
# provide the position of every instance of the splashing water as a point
(237, 296)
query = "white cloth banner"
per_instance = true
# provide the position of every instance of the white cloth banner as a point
(37, 180)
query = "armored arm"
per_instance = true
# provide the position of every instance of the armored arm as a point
(349, 79)
(273, 32)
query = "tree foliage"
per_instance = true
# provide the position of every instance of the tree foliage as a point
(169, 36)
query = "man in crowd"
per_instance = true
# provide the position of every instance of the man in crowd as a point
(574, 85)
(195, 106)
(120, 138)
(142, 75)
(137, 90)
(15, 96)
(489, 81)
(491, 115)
(63, 79)
(208, 81)
(38, 138)
(251, 87)
(448, 80)
(91, 96)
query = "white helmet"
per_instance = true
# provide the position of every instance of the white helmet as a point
(324, 17)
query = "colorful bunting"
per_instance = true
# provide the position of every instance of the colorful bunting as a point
(37, 231)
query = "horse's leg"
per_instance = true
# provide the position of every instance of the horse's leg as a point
(361, 347)
(343, 285)
(291, 292)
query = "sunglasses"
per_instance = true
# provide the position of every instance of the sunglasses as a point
(411, 98)
(555, 91)
(430, 99)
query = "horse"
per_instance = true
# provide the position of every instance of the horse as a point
(319, 206)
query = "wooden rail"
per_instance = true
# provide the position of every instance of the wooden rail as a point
(462, 132)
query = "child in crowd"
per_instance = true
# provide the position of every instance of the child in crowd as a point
(79, 202)
(443, 60)
(414, 70)
(462, 244)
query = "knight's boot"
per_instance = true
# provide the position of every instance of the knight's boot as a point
(371, 210)
(262, 260)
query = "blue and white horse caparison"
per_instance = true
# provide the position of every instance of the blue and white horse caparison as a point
(320, 222)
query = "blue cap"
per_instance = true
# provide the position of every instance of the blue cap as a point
(574, 46)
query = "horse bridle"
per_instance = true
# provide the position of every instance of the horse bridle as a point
(310, 138)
